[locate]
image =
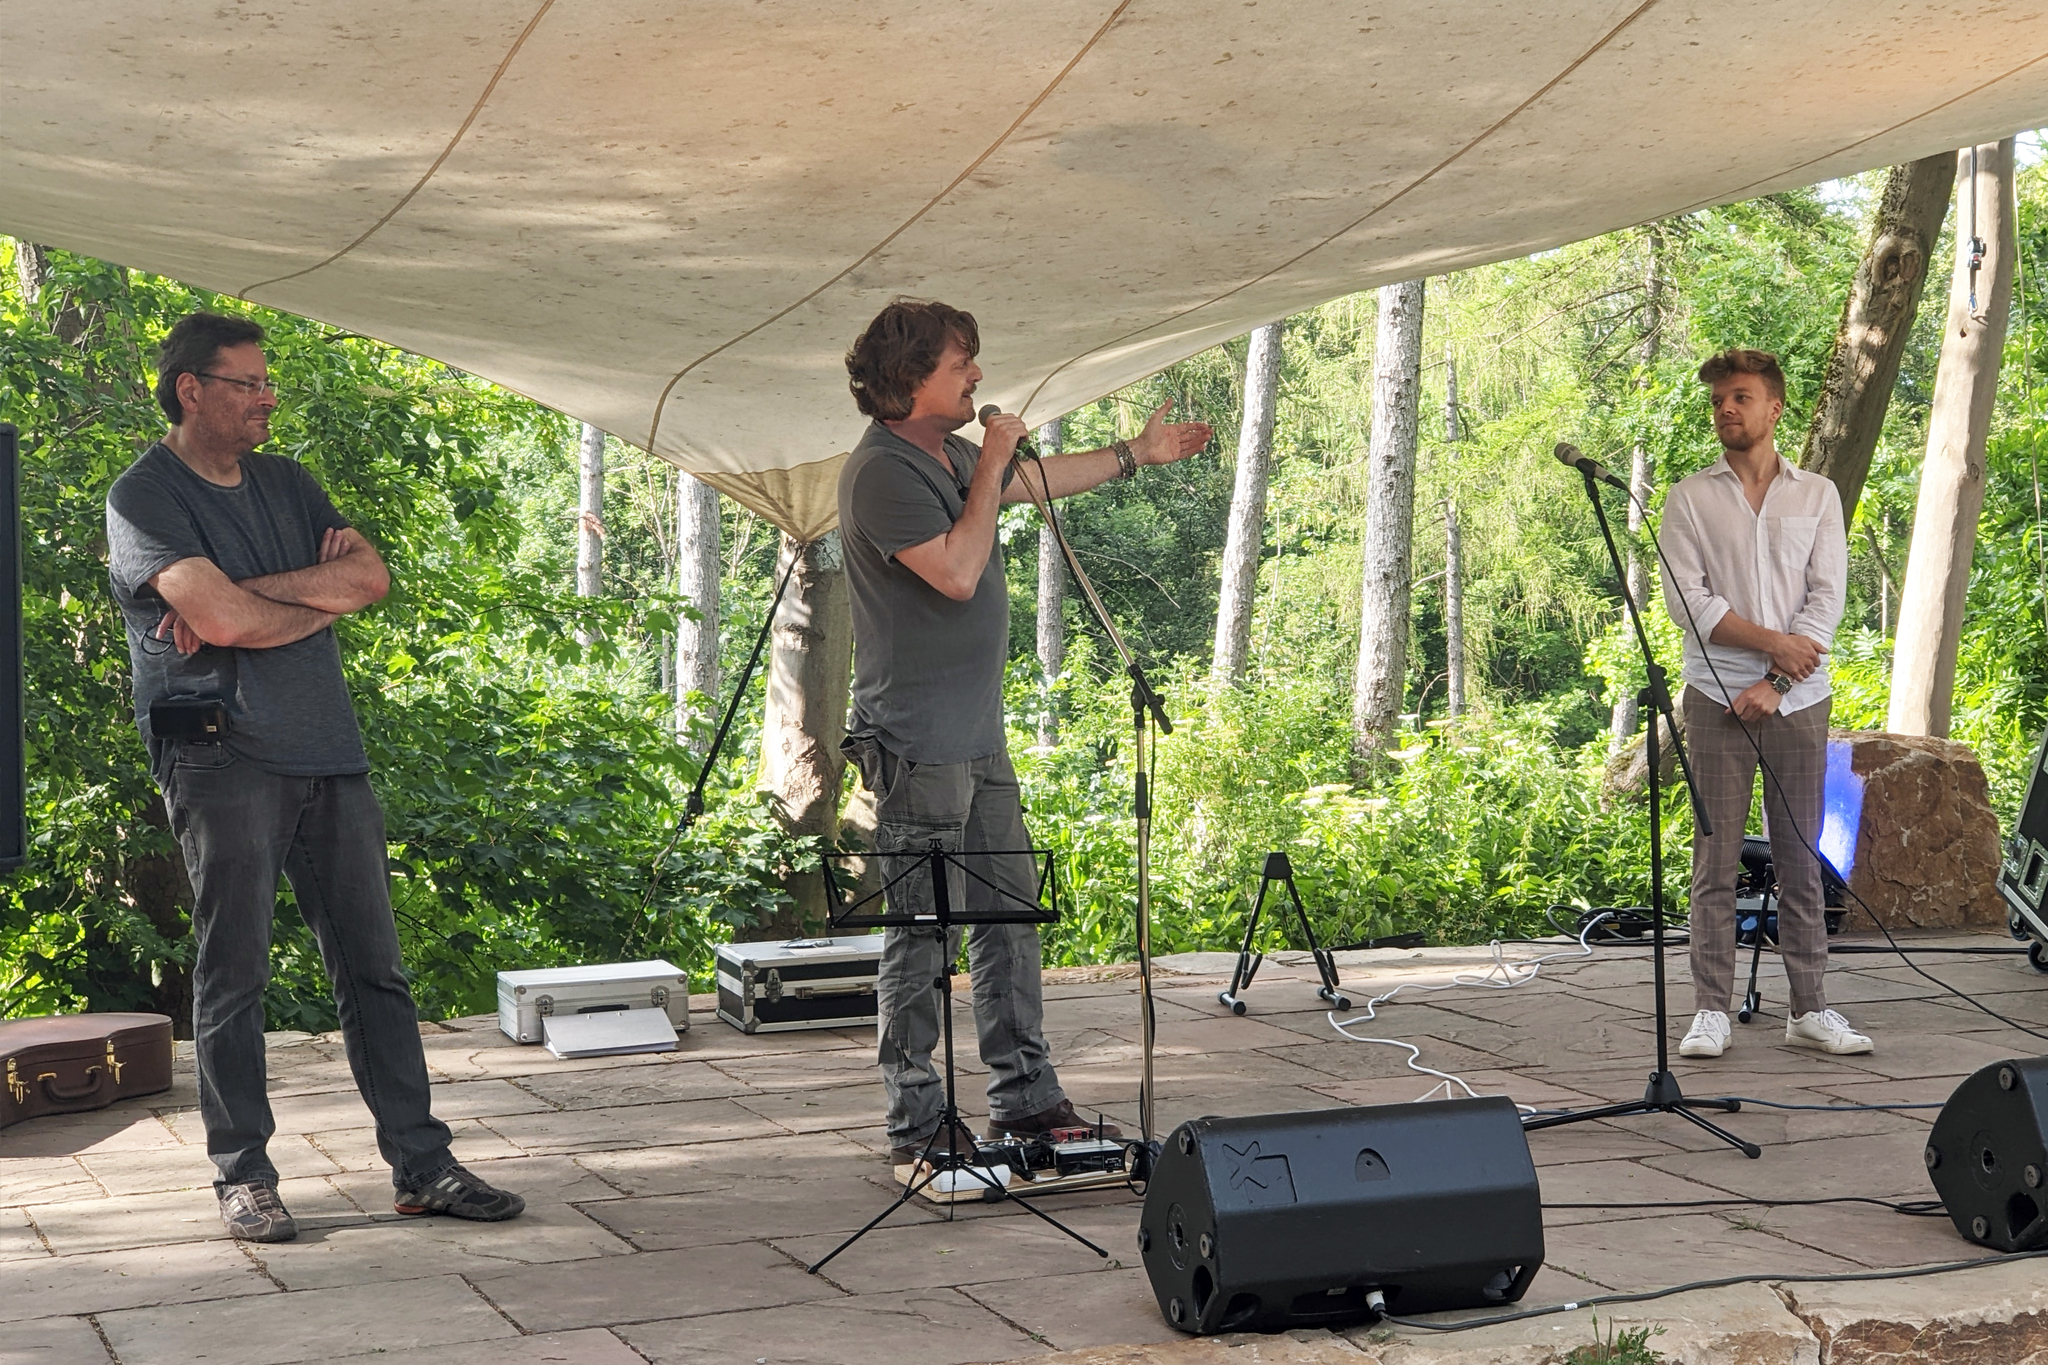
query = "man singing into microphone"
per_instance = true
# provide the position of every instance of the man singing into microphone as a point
(931, 633)
(1756, 559)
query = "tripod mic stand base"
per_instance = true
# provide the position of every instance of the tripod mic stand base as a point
(1661, 1096)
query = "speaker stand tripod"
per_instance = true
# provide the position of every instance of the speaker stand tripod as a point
(935, 1162)
(1662, 1095)
(1279, 869)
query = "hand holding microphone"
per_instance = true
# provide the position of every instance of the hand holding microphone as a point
(1005, 428)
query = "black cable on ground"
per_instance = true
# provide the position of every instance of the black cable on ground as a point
(1600, 1300)
(1977, 951)
(1829, 1108)
(1917, 1208)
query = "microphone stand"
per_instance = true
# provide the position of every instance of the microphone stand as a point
(1662, 1095)
(1147, 711)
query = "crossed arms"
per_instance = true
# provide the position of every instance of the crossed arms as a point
(207, 608)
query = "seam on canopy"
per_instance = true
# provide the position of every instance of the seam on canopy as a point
(661, 403)
(1852, 146)
(1638, 12)
(446, 152)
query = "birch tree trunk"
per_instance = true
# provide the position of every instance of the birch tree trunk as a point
(590, 518)
(1247, 534)
(1454, 553)
(1876, 322)
(810, 670)
(1052, 606)
(1389, 521)
(697, 571)
(1953, 476)
(1621, 724)
(31, 269)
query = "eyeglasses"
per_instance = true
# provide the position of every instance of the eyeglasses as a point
(254, 387)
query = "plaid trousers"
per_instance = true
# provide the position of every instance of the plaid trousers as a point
(1724, 763)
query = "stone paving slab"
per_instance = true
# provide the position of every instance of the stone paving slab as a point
(98, 1282)
(53, 1341)
(317, 1324)
(652, 1285)
(673, 1198)
(916, 1327)
(592, 1346)
(373, 1252)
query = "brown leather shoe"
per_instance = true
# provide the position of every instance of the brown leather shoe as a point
(1059, 1122)
(963, 1138)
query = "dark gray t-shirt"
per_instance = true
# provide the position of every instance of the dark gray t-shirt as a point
(927, 671)
(288, 706)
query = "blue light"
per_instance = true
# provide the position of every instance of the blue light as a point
(1842, 809)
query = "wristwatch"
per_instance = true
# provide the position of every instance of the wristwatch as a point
(1779, 683)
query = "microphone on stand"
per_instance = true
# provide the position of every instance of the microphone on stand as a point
(1569, 454)
(1025, 450)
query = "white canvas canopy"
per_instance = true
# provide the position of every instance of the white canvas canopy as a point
(670, 219)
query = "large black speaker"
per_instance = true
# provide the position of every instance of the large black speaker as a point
(1284, 1220)
(1988, 1155)
(2023, 876)
(13, 778)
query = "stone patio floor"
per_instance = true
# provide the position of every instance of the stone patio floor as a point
(674, 1199)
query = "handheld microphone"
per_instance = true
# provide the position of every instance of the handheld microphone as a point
(1569, 454)
(1026, 449)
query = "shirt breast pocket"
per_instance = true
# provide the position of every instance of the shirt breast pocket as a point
(1793, 537)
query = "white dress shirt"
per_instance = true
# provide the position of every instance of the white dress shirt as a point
(1782, 568)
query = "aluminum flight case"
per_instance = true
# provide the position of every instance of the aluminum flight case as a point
(525, 998)
(798, 984)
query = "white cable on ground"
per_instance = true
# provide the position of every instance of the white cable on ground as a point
(1501, 976)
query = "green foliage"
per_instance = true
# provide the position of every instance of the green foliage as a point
(530, 788)
(1629, 1346)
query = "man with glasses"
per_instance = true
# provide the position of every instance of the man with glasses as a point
(230, 568)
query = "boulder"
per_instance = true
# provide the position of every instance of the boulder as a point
(1927, 844)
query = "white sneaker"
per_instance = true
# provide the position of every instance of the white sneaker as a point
(1709, 1035)
(1825, 1031)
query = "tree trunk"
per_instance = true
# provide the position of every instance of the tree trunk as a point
(1876, 322)
(1952, 478)
(810, 670)
(1621, 724)
(1454, 554)
(1052, 606)
(590, 518)
(31, 268)
(1247, 535)
(697, 569)
(1389, 520)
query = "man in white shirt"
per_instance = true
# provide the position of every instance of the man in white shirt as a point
(1755, 561)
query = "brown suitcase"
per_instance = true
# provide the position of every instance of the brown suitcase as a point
(69, 1063)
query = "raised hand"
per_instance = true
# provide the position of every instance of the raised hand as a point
(1163, 442)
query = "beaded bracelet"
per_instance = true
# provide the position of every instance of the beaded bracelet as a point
(1126, 462)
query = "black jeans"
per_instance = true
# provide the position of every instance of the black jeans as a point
(240, 827)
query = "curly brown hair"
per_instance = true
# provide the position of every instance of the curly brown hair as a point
(899, 351)
(1739, 360)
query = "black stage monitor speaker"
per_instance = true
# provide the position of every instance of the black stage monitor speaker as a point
(1988, 1155)
(13, 778)
(2023, 876)
(1285, 1220)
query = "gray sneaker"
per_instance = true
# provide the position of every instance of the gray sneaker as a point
(254, 1213)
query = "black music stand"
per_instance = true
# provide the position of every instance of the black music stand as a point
(1662, 1095)
(1007, 907)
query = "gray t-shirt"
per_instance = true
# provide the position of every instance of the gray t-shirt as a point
(288, 707)
(927, 671)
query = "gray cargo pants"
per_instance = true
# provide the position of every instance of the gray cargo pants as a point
(1724, 762)
(965, 807)
(240, 827)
